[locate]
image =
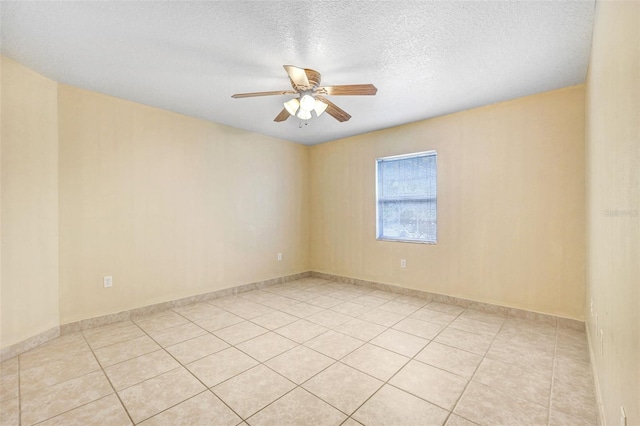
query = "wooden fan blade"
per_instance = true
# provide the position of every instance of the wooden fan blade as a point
(348, 90)
(298, 77)
(255, 94)
(284, 114)
(333, 110)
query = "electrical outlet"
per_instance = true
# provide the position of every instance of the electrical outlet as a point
(403, 263)
(279, 257)
(623, 417)
(108, 281)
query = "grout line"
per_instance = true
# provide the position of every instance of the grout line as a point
(124, 407)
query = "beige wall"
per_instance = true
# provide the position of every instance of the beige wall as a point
(613, 207)
(510, 205)
(29, 204)
(170, 206)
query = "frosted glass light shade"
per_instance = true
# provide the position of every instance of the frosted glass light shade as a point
(292, 106)
(307, 103)
(304, 115)
(320, 107)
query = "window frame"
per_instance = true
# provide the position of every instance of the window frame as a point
(379, 160)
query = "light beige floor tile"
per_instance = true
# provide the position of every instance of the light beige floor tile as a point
(104, 410)
(138, 369)
(411, 300)
(177, 334)
(470, 342)
(351, 309)
(488, 317)
(59, 348)
(383, 294)
(159, 393)
(455, 420)
(252, 390)
(274, 320)
(10, 412)
(445, 307)
(202, 409)
(249, 310)
(219, 321)
(451, 359)
(370, 301)
(57, 399)
(240, 332)
(399, 308)
(351, 422)
(123, 351)
(333, 344)
(558, 418)
(436, 386)
(526, 340)
(571, 397)
(399, 342)
(474, 326)
(360, 329)
(57, 370)
(221, 366)
(343, 387)
(436, 317)
(302, 310)
(9, 379)
(528, 384)
(329, 319)
(299, 364)
(266, 346)
(424, 329)
(199, 347)
(391, 406)
(298, 408)
(301, 331)
(160, 321)
(522, 325)
(198, 311)
(108, 335)
(375, 361)
(380, 317)
(325, 301)
(572, 368)
(484, 405)
(523, 357)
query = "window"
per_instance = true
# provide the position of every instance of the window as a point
(406, 197)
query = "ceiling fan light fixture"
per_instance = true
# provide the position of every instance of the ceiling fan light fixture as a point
(320, 107)
(303, 114)
(292, 106)
(307, 103)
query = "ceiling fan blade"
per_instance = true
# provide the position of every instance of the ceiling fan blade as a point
(348, 90)
(284, 114)
(298, 76)
(255, 94)
(333, 110)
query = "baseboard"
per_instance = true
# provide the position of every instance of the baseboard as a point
(596, 382)
(561, 322)
(30, 343)
(159, 307)
(88, 323)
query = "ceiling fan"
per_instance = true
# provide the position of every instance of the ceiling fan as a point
(311, 96)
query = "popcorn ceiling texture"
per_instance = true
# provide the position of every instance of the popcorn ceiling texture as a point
(426, 58)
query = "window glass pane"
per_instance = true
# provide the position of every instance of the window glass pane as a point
(407, 197)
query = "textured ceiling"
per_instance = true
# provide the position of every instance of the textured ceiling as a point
(426, 58)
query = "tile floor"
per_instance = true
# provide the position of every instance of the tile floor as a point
(309, 352)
